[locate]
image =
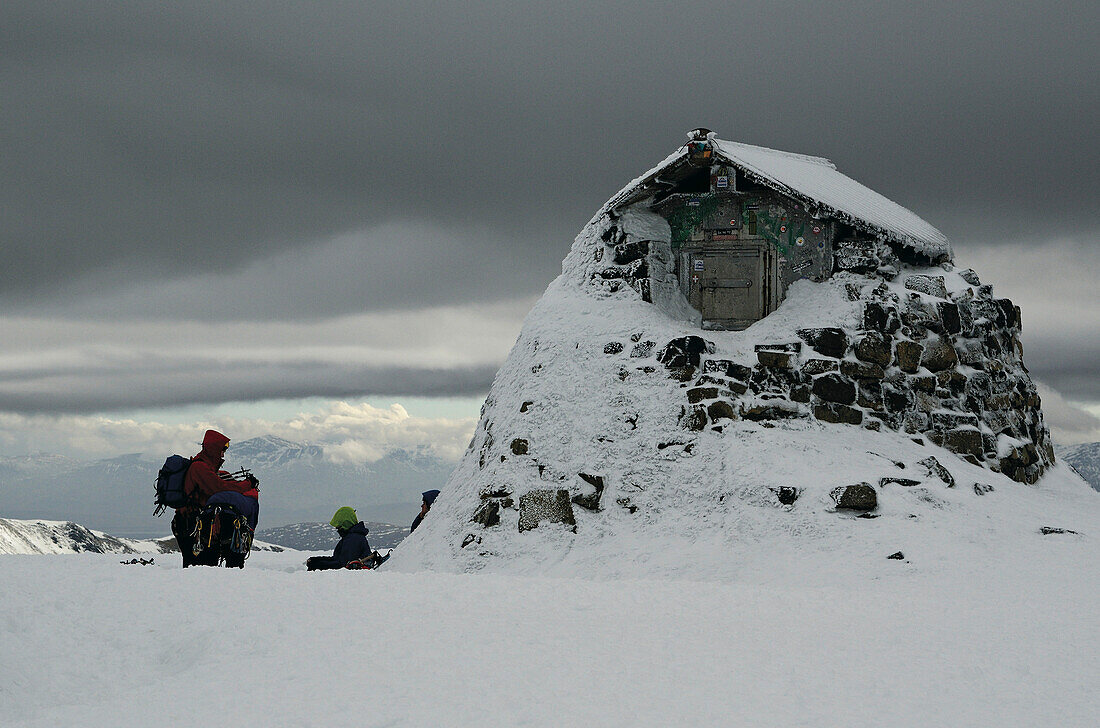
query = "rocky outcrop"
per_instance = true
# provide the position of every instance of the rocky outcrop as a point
(859, 497)
(944, 366)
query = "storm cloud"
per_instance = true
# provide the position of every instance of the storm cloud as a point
(144, 139)
(343, 199)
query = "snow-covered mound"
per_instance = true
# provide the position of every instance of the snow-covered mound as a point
(884, 408)
(64, 537)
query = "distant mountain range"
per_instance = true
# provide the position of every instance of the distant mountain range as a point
(1085, 459)
(297, 484)
(323, 537)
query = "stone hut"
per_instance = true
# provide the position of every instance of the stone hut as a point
(933, 352)
(744, 347)
(748, 221)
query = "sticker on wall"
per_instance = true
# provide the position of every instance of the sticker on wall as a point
(697, 264)
(800, 241)
(782, 228)
(817, 229)
(821, 245)
(695, 279)
(693, 202)
(722, 182)
(801, 265)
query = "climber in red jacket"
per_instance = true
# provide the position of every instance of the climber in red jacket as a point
(205, 478)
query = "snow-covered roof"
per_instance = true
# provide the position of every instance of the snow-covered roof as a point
(816, 180)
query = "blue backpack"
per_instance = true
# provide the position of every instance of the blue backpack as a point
(169, 484)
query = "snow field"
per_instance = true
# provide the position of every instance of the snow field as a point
(1003, 640)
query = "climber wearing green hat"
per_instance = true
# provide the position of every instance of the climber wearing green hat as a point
(353, 547)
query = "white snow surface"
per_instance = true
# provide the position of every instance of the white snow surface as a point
(967, 631)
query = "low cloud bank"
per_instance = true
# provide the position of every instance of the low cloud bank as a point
(349, 432)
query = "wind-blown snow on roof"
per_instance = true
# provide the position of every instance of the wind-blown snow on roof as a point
(819, 180)
(816, 180)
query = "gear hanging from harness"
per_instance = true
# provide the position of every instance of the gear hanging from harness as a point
(222, 534)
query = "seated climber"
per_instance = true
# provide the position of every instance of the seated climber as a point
(353, 546)
(425, 506)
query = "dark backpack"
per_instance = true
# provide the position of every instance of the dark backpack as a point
(169, 485)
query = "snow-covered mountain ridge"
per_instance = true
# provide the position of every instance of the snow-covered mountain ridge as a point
(1085, 459)
(65, 537)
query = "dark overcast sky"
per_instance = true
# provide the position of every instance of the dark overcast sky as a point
(263, 162)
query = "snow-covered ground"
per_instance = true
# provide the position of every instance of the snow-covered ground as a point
(990, 634)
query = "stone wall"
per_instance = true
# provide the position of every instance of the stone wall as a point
(945, 368)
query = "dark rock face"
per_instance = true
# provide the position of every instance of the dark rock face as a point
(774, 359)
(787, 495)
(982, 488)
(519, 446)
(552, 506)
(590, 501)
(932, 467)
(949, 316)
(838, 413)
(696, 395)
(965, 441)
(859, 497)
(938, 355)
(861, 370)
(800, 393)
(970, 277)
(695, 419)
(629, 252)
(896, 555)
(758, 413)
(881, 318)
(684, 352)
(487, 514)
(613, 347)
(830, 342)
(904, 482)
(813, 367)
(721, 409)
(834, 388)
(856, 256)
(642, 349)
(874, 348)
(930, 285)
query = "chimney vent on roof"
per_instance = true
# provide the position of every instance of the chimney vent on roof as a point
(700, 147)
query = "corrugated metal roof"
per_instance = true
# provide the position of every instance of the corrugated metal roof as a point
(819, 180)
(816, 180)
